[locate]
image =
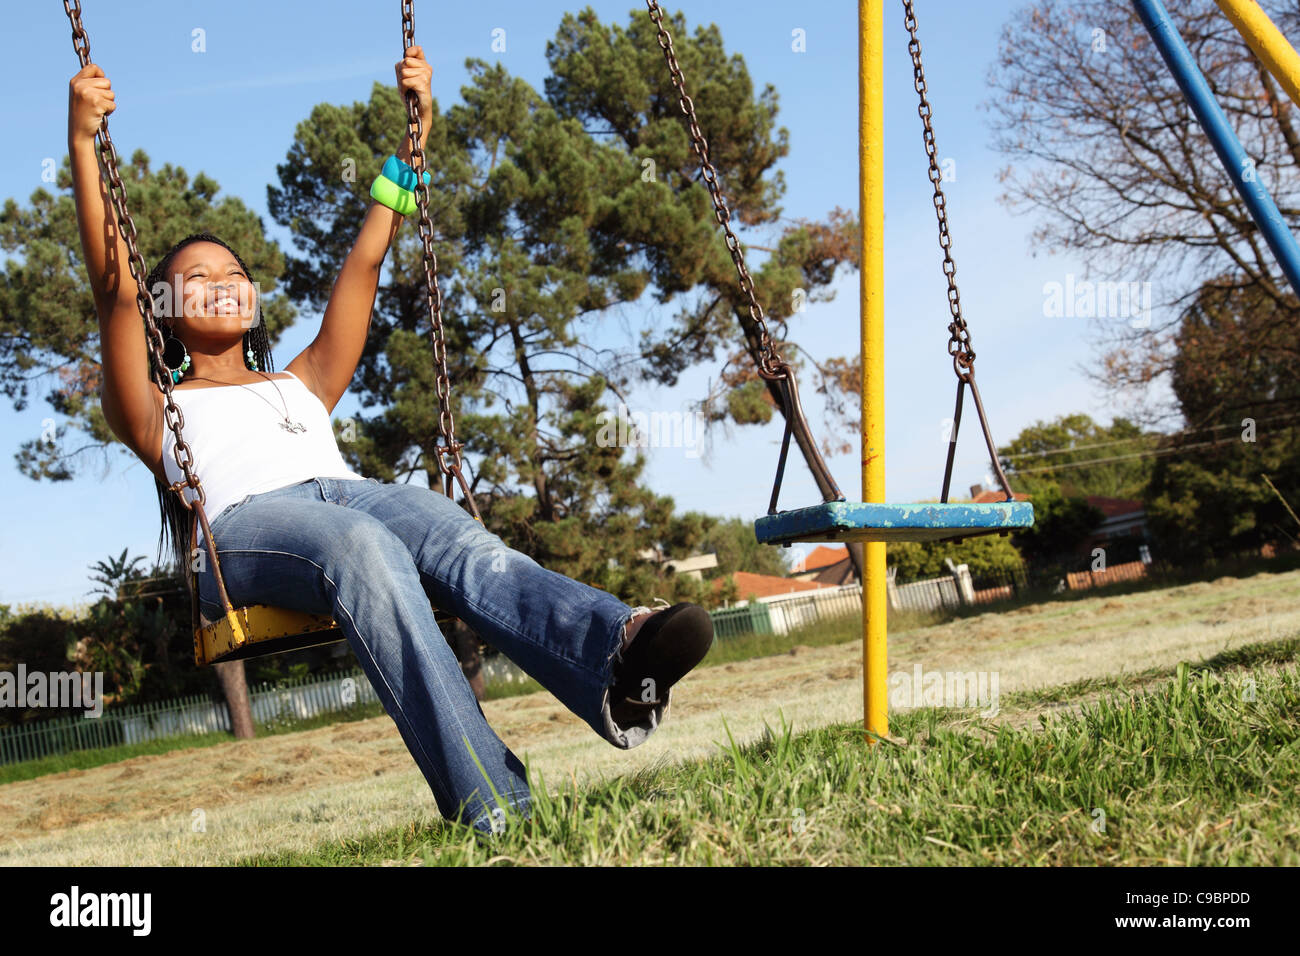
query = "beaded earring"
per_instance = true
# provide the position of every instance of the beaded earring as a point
(249, 358)
(178, 365)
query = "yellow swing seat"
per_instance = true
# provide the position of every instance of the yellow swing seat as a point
(260, 629)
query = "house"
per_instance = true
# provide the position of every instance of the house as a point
(750, 586)
(825, 565)
(979, 495)
(1124, 521)
(692, 566)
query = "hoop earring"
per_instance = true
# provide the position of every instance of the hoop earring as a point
(178, 365)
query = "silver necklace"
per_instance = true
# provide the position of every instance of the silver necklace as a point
(296, 428)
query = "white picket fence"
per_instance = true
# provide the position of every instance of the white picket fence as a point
(802, 608)
(301, 701)
(931, 595)
(953, 590)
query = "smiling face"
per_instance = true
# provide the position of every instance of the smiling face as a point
(215, 296)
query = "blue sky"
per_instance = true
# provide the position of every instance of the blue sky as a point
(265, 68)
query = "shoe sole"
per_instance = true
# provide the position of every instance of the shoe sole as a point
(681, 638)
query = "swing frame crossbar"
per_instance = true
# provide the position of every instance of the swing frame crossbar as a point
(875, 521)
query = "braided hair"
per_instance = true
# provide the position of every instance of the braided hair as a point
(174, 515)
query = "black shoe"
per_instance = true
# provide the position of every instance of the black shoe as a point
(664, 650)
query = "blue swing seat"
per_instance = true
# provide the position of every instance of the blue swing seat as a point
(873, 521)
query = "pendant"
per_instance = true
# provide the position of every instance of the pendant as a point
(296, 428)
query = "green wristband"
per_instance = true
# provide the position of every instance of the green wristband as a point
(388, 193)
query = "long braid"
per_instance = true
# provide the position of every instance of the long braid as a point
(174, 515)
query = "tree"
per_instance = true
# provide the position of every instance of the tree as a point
(111, 575)
(136, 635)
(1081, 457)
(1237, 382)
(733, 541)
(553, 212)
(1061, 525)
(1238, 355)
(1104, 148)
(986, 554)
(38, 639)
(617, 81)
(49, 332)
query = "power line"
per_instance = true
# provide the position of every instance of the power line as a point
(1100, 444)
(1147, 437)
(1155, 453)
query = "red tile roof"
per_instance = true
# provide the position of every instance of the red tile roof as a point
(991, 497)
(1114, 507)
(750, 585)
(1110, 507)
(823, 557)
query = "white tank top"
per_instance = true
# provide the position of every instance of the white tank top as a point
(239, 447)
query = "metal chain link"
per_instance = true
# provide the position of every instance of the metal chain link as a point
(959, 345)
(770, 363)
(172, 414)
(771, 366)
(448, 447)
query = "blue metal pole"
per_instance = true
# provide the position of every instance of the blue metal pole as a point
(1239, 166)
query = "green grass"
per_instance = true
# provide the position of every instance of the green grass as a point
(1160, 578)
(727, 650)
(1196, 769)
(1282, 651)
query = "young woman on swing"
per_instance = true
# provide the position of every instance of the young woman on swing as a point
(296, 528)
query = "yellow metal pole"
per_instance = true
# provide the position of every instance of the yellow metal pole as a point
(1267, 41)
(871, 184)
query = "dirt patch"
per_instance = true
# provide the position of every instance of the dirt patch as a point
(295, 791)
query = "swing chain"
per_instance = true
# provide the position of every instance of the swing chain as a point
(770, 363)
(771, 366)
(172, 414)
(447, 447)
(959, 347)
(153, 336)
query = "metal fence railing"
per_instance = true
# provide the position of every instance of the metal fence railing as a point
(930, 595)
(806, 608)
(299, 699)
(782, 613)
(753, 618)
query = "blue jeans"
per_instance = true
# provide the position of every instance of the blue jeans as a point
(374, 555)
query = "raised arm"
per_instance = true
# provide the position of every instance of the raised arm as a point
(326, 365)
(129, 397)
